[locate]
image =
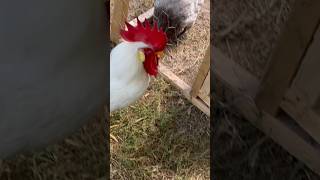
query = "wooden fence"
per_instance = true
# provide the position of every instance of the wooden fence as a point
(285, 104)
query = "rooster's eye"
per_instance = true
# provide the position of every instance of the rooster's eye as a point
(140, 55)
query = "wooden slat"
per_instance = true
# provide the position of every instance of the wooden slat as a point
(233, 74)
(283, 135)
(118, 17)
(307, 79)
(183, 87)
(288, 139)
(240, 88)
(175, 80)
(202, 73)
(301, 99)
(288, 54)
(200, 105)
(303, 114)
(204, 92)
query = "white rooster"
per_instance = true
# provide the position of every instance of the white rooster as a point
(133, 61)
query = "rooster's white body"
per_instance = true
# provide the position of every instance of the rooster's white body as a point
(128, 78)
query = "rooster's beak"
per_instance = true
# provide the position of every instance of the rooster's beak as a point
(160, 54)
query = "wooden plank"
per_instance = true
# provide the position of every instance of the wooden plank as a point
(301, 99)
(202, 73)
(201, 105)
(283, 135)
(204, 92)
(287, 55)
(118, 17)
(175, 80)
(298, 109)
(307, 78)
(240, 88)
(183, 87)
(289, 140)
(233, 74)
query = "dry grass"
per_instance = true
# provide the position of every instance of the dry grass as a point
(137, 7)
(79, 157)
(247, 30)
(186, 58)
(162, 136)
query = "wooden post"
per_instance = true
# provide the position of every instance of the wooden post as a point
(118, 17)
(288, 54)
(202, 74)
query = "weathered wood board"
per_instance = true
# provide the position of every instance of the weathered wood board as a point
(288, 54)
(204, 92)
(240, 88)
(201, 86)
(118, 17)
(302, 99)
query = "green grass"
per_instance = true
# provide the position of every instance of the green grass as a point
(162, 136)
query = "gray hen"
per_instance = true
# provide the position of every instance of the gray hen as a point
(176, 16)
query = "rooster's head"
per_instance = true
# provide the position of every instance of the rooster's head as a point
(152, 36)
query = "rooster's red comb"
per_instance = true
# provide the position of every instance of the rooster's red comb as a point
(152, 36)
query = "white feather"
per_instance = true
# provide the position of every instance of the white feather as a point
(128, 78)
